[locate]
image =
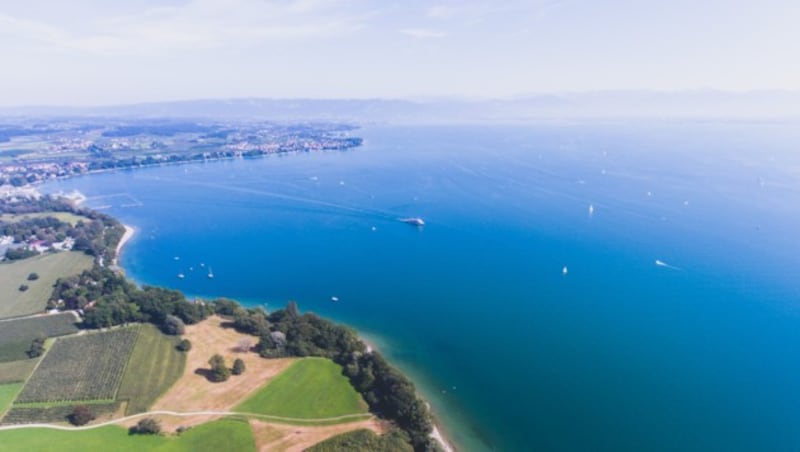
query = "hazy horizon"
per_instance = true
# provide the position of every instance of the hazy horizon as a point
(92, 53)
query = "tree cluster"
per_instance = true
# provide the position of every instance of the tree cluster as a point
(108, 299)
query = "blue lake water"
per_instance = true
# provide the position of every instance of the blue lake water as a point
(701, 353)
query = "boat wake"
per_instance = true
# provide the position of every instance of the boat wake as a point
(660, 263)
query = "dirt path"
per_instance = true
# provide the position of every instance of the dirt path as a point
(281, 437)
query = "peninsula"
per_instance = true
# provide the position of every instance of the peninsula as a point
(156, 368)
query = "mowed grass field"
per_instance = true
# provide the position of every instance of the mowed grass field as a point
(311, 388)
(49, 267)
(16, 335)
(222, 435)
(154, 366)
(84, 367)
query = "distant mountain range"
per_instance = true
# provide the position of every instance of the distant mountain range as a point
(602, 104)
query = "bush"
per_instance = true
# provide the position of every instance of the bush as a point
(173, 325)
(81, 415)
(184, 345)
(238, 367)
(147, 426)
(23, 287)
(37, 347)
(33, 277)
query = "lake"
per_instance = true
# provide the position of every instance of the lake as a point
(576, 286)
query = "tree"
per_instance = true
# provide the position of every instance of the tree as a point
(147, 426)
(245, 344)
(219, 372)
(184, 345)
(81, 415)
(238, 367)
(37, 347)
(33, 277)
(23, 287)
(173, 325)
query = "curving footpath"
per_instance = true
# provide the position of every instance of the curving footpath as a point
(187, 414)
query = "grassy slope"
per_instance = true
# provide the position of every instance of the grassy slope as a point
(154, 366)
(16, 371)
(50, 267)
(214, 436)
(311, 388)
(363, 440)
(7, 394)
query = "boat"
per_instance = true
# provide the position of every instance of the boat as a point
(564, 270)
(181, 276)
(210, 273)
(414, 221)
(334, 299)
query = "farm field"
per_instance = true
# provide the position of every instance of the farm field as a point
(222, 435)
(16, 335)
(86, 367)
(311, 388)
(49, 267)
(7, 393)
(154, 366)
(16, 371)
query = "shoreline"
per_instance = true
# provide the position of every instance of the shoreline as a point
(436, 432)
(126, 237)
(446, 444)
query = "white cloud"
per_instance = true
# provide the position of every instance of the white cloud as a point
(197, 24)
(423, 33)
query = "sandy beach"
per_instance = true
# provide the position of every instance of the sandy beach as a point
(129, 231)
(437, 435)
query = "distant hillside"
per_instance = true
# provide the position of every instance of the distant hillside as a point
(603, 104)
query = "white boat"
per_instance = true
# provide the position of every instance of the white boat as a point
(564, 270)
(210, 273)
(181, 276)
(334, 299)
(414, 221)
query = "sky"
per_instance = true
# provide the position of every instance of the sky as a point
(99, 52)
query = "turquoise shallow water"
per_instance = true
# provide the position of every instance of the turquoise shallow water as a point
(702, 353)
